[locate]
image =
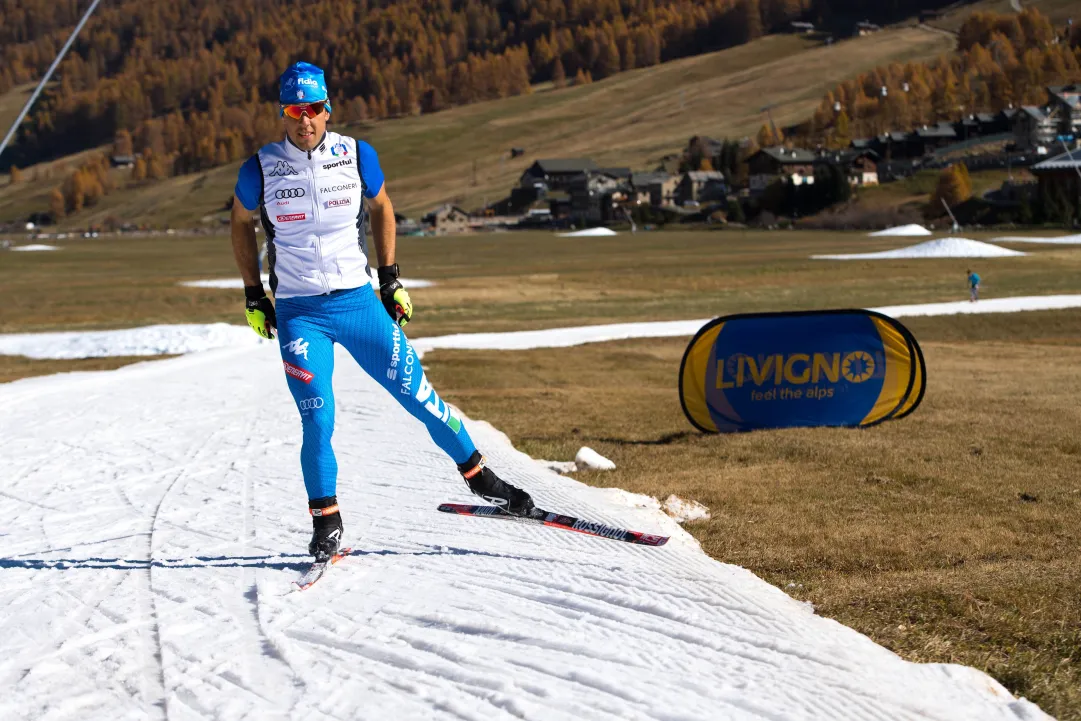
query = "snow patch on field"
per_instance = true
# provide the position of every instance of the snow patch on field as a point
(902, 230)
(34, 247)
(941, 248)
(683, 511)
(146, 341)
(589, 233)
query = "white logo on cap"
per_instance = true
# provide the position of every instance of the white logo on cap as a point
(308, 81)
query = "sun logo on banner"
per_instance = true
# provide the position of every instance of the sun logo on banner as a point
(854, 362)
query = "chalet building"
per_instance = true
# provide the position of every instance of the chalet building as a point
(657, 188)
(801, 28)
(867, 28)
(928, 138)
(1035, 127)
(557, 173)
(447, 219)
(1065, 100)
(621, 174)
(859, 166)
(1060, 173)
(592, 197)
(701, 186)
(793, 165)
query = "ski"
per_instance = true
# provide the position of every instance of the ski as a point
(556, 520)
(317, 569)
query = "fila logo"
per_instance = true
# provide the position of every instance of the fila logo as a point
(297, 347)
(282, 169)
(289, 193)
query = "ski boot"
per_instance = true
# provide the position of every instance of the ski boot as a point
(483, 481)
(326, 527)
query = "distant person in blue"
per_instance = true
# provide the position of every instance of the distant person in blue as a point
(313, 192)
(973, 286)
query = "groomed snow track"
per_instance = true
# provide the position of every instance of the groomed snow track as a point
(154, 518)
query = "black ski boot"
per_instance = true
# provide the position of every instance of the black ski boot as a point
(485, 483)
(326, 527)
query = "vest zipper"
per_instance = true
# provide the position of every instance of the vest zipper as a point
(318, 239)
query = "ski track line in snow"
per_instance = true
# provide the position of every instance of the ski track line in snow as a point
(149, 577)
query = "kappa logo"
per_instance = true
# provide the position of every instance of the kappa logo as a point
(310, 403)
(282, 169)
(297, 347)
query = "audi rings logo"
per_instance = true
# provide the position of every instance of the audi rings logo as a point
(309, 403)
(289, 193)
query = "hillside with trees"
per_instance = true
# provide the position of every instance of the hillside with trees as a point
(183, 79)
(1002, 61)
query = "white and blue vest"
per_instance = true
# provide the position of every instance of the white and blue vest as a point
(312, 208)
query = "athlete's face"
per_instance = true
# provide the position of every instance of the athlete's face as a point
(307, 131)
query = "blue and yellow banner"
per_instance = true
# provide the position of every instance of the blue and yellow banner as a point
(816, 368)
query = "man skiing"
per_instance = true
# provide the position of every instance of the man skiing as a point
(313, 190)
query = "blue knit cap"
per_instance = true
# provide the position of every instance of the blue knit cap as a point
(303, 83)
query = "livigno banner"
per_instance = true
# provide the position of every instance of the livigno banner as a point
(816, 368)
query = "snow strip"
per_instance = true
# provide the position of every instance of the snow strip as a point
(1058, 240)
(238, 283)
(34, 247)
(902, 231)
(941, 248)
(179, 339)
(589, 233)
(154, 517)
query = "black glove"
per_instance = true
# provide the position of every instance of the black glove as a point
(259, 311)
(394, 295)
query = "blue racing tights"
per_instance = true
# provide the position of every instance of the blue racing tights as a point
(308, 328)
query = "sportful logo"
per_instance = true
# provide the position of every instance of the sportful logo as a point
(336, 188)
(297, 347)
(309, 403)
(337, 202)
(289, 193)
(299, 373)
(328, 166)
(282, 169)
(290, 218)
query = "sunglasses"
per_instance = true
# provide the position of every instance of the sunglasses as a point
(296, 112)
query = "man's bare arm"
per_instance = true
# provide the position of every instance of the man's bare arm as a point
(245, 248)
(384, 229)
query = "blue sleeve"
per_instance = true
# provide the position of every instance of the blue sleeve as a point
(249, 183)
(370, 172)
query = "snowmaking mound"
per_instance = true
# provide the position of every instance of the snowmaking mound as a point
(34, 247)
(589, 233)
(941, 248)
(910, 230)
(1059, 240)
(154, 519)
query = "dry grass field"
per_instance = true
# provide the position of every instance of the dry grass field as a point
(631, 119)
(948, 536)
